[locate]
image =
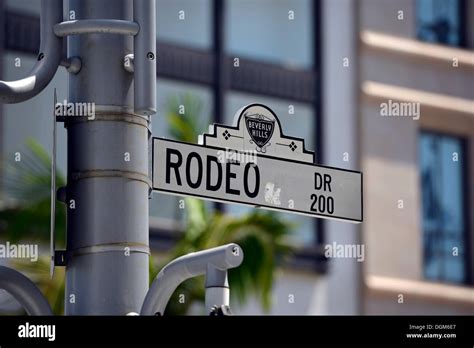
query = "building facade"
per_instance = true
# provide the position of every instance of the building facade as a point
(418, 227)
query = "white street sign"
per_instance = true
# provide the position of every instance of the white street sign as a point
(253, 163)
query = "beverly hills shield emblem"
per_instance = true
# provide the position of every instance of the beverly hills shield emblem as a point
(260, 129)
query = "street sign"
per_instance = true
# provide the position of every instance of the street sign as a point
(253, 163)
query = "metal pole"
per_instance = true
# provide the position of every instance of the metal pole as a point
(144, 62)
(217, 288)
(107, 189)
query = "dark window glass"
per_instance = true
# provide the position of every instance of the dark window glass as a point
(442, 169)
(439, 21)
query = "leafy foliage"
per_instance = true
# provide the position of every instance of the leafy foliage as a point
(28, 193)
(184, 118)
(27, 215)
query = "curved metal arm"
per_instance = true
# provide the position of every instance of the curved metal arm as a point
(94, 26)
(48, 58)
(185, 267)
(24, 291)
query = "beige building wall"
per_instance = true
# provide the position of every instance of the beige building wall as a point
(394, 65)
(382, 16)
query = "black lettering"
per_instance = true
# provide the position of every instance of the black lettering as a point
(314, 198)
(318, 181)
(322, 182)
(330, 205)
(174, 165)
(327, 182)
(257, 180)
(196, 184)
(322, 204)
(228, 176)
(209, 186)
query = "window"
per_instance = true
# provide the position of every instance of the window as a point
(444, 186)
(274, 31)
(440, 21)
(185, 22)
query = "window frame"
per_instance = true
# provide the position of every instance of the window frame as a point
(466, 217)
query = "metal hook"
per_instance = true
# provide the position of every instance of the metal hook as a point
(48, 60)
(216, 260)
(24, 291)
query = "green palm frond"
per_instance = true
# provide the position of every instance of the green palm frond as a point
(183, 116)
(27, 187)
(28, 177)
